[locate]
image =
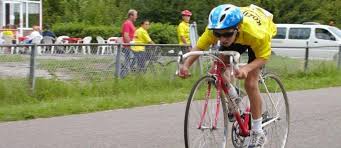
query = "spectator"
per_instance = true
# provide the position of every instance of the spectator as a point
(34, 37)
(141, 37)
(183, 28)
(34, 34)
(13, 28)
(48, 32)
(331, 22)
(7, 37)
(128, 30)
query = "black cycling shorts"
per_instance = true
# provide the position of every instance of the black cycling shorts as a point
(241, 49)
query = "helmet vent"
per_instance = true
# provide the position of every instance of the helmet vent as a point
(222, 18)
(227, 8)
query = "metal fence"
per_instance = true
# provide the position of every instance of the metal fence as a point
(100, 62)
(85, 62)
(311, 57)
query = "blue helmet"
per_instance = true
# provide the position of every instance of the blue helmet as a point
(224, 16)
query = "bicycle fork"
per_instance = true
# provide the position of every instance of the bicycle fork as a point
(203, 114)
(207, 98)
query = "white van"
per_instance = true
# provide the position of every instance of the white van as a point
(292, 39)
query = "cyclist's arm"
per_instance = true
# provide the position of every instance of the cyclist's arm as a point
(257, 63)
(190, 60)
(243, 72)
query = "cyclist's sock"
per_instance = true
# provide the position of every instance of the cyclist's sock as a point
(257, 125)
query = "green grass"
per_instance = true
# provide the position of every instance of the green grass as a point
(56, 98)
(77, 105)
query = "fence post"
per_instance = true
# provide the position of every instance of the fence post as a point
(306, 57)
(118, 64)
(339, 59)
(32, 77)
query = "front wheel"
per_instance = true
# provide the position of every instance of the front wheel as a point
(202, 110)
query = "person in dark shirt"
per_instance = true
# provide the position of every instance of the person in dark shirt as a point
(48, 32)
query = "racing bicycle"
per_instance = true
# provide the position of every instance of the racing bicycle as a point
(206, 123)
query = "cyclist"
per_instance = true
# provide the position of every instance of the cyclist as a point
(240, 29)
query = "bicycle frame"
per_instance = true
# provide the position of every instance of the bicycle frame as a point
(222, 90)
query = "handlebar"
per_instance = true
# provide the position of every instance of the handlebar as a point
(234, 54)
(234, 61)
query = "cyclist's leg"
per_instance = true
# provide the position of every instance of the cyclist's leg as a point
(252, 88)
(257, 136)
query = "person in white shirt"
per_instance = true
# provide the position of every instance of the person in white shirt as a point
(34, 34)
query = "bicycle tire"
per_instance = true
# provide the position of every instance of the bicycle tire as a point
(196, 101)
(277, 132)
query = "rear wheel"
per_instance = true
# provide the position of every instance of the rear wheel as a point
(200, 116)
(276, 109)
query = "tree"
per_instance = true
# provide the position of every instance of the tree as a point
(113, 12)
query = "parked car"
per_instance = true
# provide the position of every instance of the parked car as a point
(292, 39)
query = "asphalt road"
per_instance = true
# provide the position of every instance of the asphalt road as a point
(315, 123)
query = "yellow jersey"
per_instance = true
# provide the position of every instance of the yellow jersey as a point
(256, 30)
(141, 36)
(183, 30)
(8, 33)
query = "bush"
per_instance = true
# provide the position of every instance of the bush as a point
(69, 29)
(163, 33)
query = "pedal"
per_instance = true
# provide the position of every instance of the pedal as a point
(266, 117)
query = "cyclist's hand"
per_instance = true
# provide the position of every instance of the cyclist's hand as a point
(241, 73)
(184, 72)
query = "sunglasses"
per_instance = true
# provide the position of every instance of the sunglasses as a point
(225, 34)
